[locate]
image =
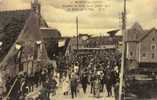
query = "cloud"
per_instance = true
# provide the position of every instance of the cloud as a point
(93, 22)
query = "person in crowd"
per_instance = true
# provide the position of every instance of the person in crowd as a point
(66, 86)
(43, 93)
(116, 91)
(36, 78)
(73, 86)
(32, 79)
(84, 82)
(102, 81)
(108, 84)
(50, 69)
(92, 79)
(40, 76)
(15, 92)
(114, 78)
(24, 89)
(43, 76)
(51, 86)
(29, 81)
(97, 86)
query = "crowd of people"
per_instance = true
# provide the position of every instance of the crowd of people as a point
(94, 71)
(19, 87)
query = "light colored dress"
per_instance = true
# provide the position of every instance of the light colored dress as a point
(66, 85)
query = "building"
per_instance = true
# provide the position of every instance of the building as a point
(13, 21)
(51, 37)
(23, 48)
(88, 45)
(110, 41)
(141, 44)
(76, 44)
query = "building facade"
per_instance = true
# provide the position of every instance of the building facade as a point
(141, 44)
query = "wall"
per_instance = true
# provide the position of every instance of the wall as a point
(148, 48)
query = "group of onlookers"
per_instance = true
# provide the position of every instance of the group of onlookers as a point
(19, 87)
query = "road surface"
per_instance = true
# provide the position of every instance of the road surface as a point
(81, 96)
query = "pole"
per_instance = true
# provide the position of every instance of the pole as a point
(77, 33)
(123, 52)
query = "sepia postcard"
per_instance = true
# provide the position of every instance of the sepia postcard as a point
(78, 49)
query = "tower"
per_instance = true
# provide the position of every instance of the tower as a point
(36, 7)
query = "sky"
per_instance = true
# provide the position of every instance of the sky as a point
(97, 21)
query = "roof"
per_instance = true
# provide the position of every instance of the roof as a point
(28, 36)
(136, 33)
(31, 30)
(147, 33)
(7, 16)
(50, 33)
(11, 24)
(113, 32)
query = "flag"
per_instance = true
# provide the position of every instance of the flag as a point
(61, 43)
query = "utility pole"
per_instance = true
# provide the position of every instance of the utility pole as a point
(77, 33)
(123, 52)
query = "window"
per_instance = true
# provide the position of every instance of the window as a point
(131, 53)
(143, 55)
(153, 55)
(153, 39)
(153, 46)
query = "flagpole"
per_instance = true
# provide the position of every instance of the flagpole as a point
(123, 52)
